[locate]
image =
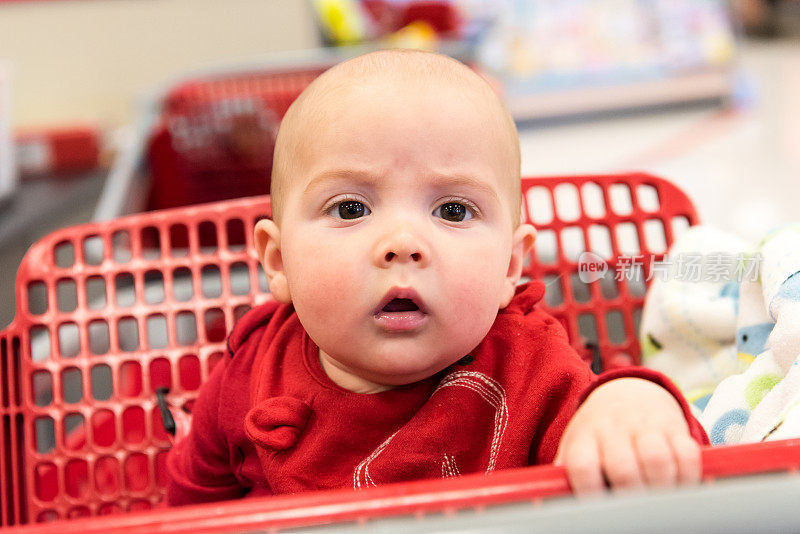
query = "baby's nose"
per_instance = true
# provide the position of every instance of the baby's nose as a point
(401, 247)
(391, 256)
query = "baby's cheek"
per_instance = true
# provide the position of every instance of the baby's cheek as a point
(331, 290)
(324, 292)
(478, 282)
(324, 309)
(474, 310)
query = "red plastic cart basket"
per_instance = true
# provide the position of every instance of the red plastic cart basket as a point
(109, 313)
(207, 135)
(215, 137)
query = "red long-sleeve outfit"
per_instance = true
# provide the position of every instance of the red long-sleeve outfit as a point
(270, 421)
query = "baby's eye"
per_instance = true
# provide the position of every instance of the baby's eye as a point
(453, 212)
(350, 209)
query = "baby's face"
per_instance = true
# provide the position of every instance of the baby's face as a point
(397, 235)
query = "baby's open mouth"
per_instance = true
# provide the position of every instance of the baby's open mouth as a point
(402, 310)
(400, 305)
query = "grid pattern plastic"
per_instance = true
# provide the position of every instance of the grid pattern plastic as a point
(12, 476)
(625, 220)
(277, 89)
(107, 313)
(196, 113)
(220, 128)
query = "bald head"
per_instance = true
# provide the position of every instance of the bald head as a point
(410, 70)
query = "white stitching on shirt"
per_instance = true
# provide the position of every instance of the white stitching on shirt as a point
(493, 393)
(488, 389)
(364, 465)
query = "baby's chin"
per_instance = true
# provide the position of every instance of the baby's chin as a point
(404, 371)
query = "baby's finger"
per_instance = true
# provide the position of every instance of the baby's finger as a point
(582, 460)
(656, 459)
(619, 461)
(687, 457)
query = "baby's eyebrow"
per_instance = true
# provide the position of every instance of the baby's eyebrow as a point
(446, 181)
(338, 175)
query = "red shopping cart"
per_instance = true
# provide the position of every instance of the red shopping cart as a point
(208, 135)
(108, 314)
(215, 137)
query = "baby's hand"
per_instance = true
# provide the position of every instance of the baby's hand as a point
(631, 433)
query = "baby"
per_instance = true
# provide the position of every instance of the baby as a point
(398, 345)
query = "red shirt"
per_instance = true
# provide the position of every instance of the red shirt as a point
(270, 421)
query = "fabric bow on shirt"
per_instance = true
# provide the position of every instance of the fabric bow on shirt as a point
(276, 423)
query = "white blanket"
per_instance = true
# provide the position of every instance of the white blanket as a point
(728, 332)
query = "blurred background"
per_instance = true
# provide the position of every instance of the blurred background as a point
(110, 107)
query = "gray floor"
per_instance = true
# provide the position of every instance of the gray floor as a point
(38, 207)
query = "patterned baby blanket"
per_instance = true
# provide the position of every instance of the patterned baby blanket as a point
(723, 321)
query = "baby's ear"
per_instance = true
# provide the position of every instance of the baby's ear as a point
(521, 245)
(268, 248)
